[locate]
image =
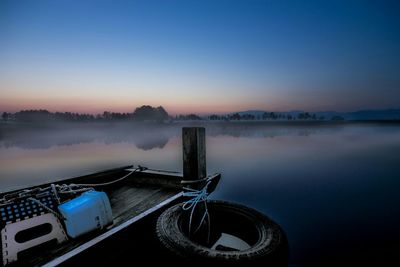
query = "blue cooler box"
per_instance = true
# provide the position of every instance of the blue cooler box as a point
(89, 211)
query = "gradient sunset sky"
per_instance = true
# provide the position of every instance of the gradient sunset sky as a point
(199, 56)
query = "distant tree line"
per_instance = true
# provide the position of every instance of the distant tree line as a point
(189, 117)
(157, 114)
(143, 113)
(265, 117)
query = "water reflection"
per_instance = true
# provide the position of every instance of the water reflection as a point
(143, 136)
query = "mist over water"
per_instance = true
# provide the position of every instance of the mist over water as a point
(332, 187)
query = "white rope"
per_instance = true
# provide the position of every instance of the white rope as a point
(140, 168)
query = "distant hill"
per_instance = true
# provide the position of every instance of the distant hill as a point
(385, 114)
(378, 114)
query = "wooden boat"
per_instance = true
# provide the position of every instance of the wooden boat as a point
(136, 199)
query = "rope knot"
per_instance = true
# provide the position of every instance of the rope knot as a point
(196, 197)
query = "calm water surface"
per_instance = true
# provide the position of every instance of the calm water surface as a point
(333, 188)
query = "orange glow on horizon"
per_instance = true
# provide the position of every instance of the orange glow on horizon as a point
(178, 105)
(98, 106)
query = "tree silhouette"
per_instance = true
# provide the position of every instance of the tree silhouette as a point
(235, 116)
(5, 116)
(148, 113)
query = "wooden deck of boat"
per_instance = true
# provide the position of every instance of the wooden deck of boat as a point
(131, 200)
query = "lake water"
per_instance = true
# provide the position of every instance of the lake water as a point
(334, 188)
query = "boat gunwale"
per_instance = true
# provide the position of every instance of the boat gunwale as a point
(160, 173)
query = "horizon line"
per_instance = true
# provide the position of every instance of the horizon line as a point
(205, 113)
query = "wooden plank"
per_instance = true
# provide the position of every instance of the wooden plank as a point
(140, 202)
(194, 153)
(165, 179)
(136, 201)
(129, 199)
(150, 198)
(111, 232)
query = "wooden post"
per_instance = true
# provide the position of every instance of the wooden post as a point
(194, 169)
(194, 153)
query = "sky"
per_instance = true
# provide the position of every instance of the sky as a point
(199, 56)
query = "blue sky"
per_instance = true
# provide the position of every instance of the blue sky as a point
(199, 56)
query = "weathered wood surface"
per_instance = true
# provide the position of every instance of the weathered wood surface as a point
(195, 172)
(194, 153)
(166, 179)
(130, 199)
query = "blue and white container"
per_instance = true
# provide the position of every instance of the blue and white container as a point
(89, 211)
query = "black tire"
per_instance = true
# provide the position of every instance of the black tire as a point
(268, 246)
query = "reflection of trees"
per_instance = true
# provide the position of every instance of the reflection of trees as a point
(148, 144)
(145, 136)
(43, 138)
(266, 130)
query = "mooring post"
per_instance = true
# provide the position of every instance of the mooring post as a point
(194, 171)
(194, 155)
